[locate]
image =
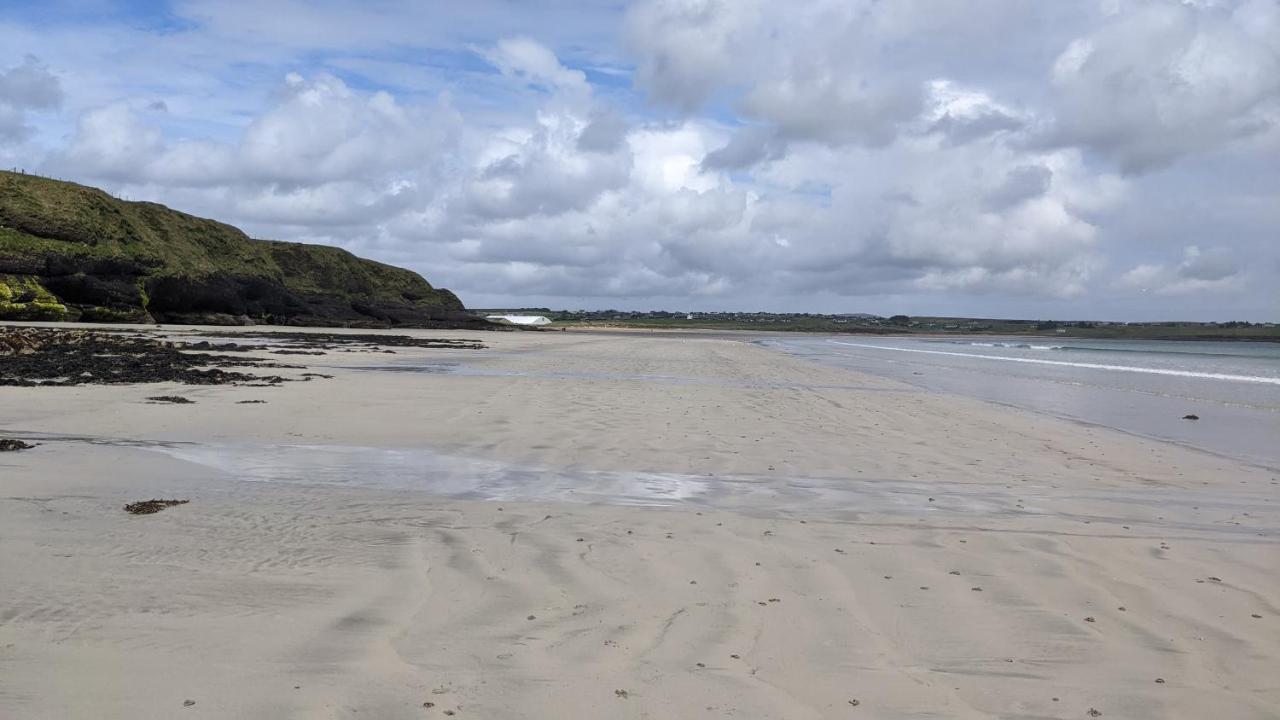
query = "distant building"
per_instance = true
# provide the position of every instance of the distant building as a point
(519, 319)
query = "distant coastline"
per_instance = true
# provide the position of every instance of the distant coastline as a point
(916, 326)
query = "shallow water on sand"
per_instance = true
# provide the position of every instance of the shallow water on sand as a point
(1240, 513)
(1140, 387)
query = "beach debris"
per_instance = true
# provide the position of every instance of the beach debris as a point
(1090, 619)
(260, 402)
(150, 507)
(428, 704)
(188, 703)
(976, 589)
(954, 572)
(11, 445)
(1255, 616)
(532, 617)
(735, 656)
(701, 665)
(171, 399)
(1160, 681)
(1094, 712)
(854, 702)
(622, 694)
(1190, 417)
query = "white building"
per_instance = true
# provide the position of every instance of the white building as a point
(531, 320)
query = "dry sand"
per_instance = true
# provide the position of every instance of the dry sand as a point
(828, 538)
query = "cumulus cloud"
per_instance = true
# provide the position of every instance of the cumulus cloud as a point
(806, 71)
(1199, 271)
(321, 154)
(994, 154)
(24, 88)
(1161, 80)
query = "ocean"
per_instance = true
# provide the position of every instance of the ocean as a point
(1143, 387)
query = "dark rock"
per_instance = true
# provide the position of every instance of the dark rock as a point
(1190, 417)
(11, 445)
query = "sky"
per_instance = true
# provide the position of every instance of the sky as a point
(1109, 159)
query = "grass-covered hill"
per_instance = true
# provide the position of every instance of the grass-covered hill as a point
(70, 252)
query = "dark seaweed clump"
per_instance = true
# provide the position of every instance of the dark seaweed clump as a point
(150, 507)
(317, 342)
(11, 445)
(61, 357)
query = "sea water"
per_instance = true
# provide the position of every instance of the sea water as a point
(1142, 387)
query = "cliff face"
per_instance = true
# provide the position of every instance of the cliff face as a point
(69, 252)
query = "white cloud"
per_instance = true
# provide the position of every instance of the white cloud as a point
(1160, 80)
(529, 60)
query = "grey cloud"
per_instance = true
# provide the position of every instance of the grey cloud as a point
(1210, 265)
(606, 133)
(835, 109)
(1020, 184)
(542, 177)
(24, 88)
(748, 146)
(962, 129)
(686, 48)
(1162, 80)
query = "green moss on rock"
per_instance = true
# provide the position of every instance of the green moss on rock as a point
(24, 298)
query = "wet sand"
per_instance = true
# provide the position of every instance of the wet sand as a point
(580, 525)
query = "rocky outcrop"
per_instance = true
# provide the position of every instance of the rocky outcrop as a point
(70, 252)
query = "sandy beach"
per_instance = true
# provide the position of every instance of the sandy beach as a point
(631, 525)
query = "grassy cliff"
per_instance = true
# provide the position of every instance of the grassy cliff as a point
(70, 252)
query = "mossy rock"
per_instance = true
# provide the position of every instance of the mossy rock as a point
(25, 298)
